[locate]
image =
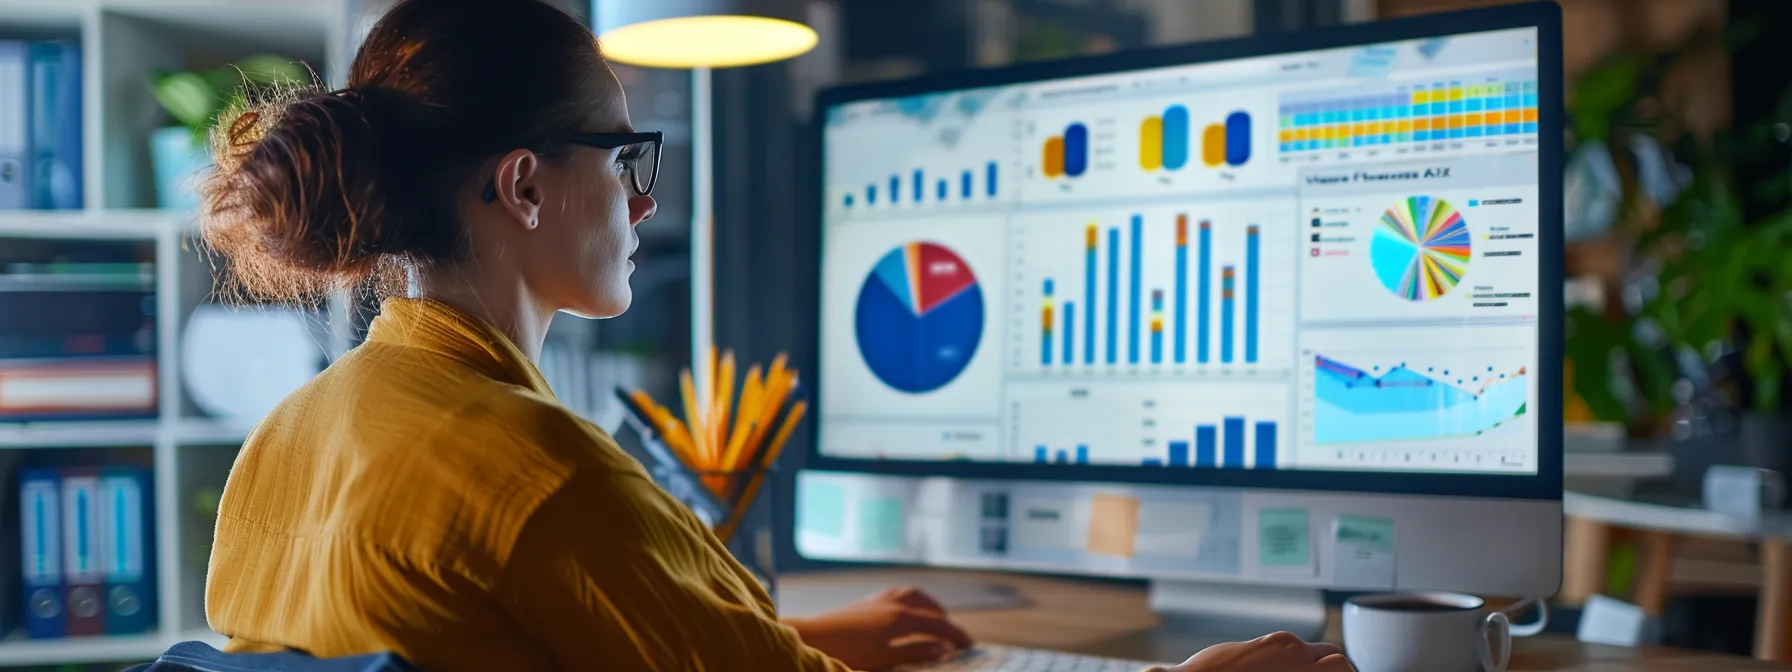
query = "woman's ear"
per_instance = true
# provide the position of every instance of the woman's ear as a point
(519, 187)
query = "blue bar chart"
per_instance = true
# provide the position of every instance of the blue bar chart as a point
(1139, 282)
(1048, 455)
(1129, 423)
(1223, 446)
(893, 191)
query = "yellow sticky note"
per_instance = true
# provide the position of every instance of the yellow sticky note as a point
(1113, 525)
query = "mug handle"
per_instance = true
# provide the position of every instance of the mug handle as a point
(1528, 629)
(1496, 626)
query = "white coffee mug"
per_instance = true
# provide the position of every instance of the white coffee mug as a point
(1430, 632)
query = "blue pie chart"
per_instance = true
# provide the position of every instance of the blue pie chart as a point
(919, 317)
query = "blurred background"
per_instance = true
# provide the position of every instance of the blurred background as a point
(120, 366)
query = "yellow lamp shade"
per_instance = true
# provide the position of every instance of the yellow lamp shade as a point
(701, 33)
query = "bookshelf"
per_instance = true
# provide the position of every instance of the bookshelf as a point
(121, 42)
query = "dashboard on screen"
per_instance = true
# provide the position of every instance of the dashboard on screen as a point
(1325, 260)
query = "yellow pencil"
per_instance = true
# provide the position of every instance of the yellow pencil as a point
(687, 389)
(790, 422)
(771, 456)
(670, 429)
(746, 417)
(771, 406)
(724, 399)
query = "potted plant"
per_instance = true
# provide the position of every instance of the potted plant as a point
(195, 98)
(1698, 340)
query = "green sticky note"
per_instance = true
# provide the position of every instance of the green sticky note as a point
(1282, 539)
(822, 507)
(880, 525)
(1375, 534)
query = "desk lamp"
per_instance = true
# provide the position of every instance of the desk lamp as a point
(700, 35)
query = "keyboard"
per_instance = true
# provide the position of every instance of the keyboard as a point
(996, 658)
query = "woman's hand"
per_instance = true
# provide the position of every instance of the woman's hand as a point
(899, 626)
(1278, 652)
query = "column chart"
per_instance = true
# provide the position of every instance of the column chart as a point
(1159, 289)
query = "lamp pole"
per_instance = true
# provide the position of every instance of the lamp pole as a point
(702, 229)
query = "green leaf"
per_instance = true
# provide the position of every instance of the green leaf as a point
(188, 97)
(1590, 345)
(1767, 371)
(1601, 93)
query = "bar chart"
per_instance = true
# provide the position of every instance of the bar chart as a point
(1066, 154)
(1155, 289)
(1412, 116)
(1222, 446)
(980, 183)
(1164, 141)
(1043, 454)
(1233, 426)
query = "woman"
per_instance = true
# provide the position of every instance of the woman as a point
(426, 494)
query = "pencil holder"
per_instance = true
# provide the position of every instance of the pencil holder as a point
(751, 536)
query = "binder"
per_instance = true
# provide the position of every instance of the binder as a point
(81, 550)
(54, 179)
(40, 532)
(15, 126)
(126, 555)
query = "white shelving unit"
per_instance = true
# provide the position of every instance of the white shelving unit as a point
(122, 43)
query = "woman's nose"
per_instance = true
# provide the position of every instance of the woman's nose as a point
(641, 209)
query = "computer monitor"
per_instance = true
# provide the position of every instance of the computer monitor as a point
(1281, 311)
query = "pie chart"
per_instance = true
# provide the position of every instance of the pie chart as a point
(1421, 248)
(919, 317)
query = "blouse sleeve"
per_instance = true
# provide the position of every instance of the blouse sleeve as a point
(612, 572)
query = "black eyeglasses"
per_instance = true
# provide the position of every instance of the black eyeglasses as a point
(640, 157)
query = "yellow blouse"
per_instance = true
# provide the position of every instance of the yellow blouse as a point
(427, 495)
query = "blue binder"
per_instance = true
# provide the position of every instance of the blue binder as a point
(55, 148)
(82, 603)
(15, 125)
(40, 531)
(127, 551)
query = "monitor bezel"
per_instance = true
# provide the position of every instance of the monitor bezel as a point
(1545, 484)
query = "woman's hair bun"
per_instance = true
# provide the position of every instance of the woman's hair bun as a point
(300, 193)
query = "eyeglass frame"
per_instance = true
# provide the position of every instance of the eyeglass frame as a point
(607, 141)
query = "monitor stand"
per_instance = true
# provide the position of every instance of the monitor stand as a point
(1194, 615)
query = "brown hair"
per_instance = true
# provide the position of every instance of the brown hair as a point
(315, 191)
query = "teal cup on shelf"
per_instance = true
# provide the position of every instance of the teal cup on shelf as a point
(180, 163)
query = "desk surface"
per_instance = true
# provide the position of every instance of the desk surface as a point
(1687, 519)
(1085, 616)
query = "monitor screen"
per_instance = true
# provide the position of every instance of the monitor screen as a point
(1322, 261)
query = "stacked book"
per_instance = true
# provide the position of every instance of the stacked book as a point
(77, 330)
(40, 125)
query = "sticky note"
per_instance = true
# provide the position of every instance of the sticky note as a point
(1282, 539)
(881, 526)
(1173, 528)
(1364, 556)
(822, 507)
(1042, 523)
(1113, 525)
